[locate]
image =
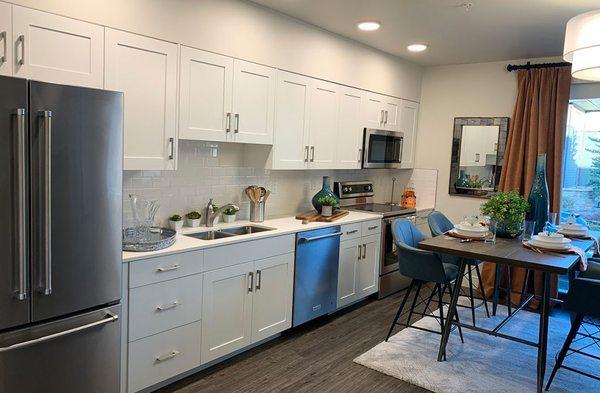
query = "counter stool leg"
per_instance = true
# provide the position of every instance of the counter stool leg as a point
(402, 304)
(471, 296)
(563, 352)
(451, 311)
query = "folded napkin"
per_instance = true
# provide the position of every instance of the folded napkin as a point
(571, 250)
(587, 237)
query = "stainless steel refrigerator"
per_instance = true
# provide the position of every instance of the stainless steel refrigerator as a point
(60, 237)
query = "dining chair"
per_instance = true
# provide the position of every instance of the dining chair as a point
(422, 267)
(440, 224)
(582, 300)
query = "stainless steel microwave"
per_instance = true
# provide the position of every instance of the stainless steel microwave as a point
(382, 149)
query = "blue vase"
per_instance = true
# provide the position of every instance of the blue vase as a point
(539, 206)
(462, 179)
(325, 191)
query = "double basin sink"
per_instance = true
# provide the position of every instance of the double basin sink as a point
(229, 232)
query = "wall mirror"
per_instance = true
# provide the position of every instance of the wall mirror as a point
(478, 146)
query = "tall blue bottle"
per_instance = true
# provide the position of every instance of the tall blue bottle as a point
(539, 206)
(325, 191)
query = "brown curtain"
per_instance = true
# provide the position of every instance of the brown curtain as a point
(538, 126)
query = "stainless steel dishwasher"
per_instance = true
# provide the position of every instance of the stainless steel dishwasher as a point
(316, 273)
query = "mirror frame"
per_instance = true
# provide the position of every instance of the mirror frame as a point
(459, 122)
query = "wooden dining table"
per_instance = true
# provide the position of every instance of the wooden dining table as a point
(509, 252)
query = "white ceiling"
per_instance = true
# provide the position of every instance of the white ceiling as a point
(492, 30)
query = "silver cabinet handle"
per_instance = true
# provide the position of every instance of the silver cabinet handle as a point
(47, 226)
(108, 318)
(228, 122)
(164, 307)
(359, 155)
(381, 121)
(312, 154)
(373, 227)
(237, 123)
(306, 153)
(258, 279)
(3, 38)
(168, 268)
(250, 282)
(364, 247)
(386, 117)
(312, 239)
(171, 148)
(359, 252)
(351, 232)
(21, 40)
(21, 292)
(477, 156)
(168, 356)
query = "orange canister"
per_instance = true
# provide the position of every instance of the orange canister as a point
(409, 198)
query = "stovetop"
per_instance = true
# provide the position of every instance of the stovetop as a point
(384, 208)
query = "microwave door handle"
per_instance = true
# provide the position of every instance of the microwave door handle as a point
(398, 149)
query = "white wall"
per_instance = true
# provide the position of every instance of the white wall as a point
(251, 32)
(469, 90)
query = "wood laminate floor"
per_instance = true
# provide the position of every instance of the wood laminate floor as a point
(316, 357)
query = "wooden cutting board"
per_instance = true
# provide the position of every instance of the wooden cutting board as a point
(313, 215)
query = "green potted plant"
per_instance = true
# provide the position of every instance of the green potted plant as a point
(193, 219)
(176, 222)
(508, 210)
(328, 204)
(229, 215)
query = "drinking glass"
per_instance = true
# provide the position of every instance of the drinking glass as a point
(528, 229)
(553, 218)
(490, 237)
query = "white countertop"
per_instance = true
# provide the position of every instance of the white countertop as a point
(282, 226)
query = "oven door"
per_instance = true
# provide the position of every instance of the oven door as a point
(389, 261)
(382, 149)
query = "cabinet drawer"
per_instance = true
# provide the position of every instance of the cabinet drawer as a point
(351, 231)
(234, 254)
(371, 227)
(166, 305)
(162, 356)
(168, 267)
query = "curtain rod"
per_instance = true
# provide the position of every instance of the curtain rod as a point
(529, 66)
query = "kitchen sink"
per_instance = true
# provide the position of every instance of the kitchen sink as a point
(210, 235)
(245, 230)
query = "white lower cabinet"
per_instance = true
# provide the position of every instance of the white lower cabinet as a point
(368, 266)
(347, 272)
(156, 358)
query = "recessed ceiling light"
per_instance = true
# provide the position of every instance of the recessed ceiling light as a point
(416, 47)
(369, 25)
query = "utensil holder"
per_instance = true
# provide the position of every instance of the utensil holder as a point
(257, 211)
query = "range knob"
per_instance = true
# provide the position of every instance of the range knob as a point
(368, 188)
(346, 189)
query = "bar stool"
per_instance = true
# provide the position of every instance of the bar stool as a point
(583, 299)
(423, 267)
(440, 224)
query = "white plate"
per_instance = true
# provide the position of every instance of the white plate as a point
(573, 232)
(477, 229)
(573, 227)
(551, 240)
(549, 246)
(469, 234)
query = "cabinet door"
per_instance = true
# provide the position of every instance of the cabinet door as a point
(408, 125)
(205, 95)
(374, 111)
(391, 108)
(253, 103)
(350, 130)
(226, 310)
(347, 289)
(6, 48)
(56, 49)
(145, 69)
(290, 148)
(273, 292)
(324, 114)
(368, 266)
(470, 146)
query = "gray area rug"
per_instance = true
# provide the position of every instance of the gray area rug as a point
(483, 363)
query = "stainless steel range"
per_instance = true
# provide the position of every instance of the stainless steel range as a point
(359, 196)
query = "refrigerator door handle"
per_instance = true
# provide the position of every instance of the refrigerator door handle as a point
(46, 239)
(21, 291)
(108, 318)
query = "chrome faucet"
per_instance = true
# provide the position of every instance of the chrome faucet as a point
(208, 210)
(210, 220)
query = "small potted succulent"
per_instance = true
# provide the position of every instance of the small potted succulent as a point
(328, 204)
(229, 215)
(176, 222)
(193, 219)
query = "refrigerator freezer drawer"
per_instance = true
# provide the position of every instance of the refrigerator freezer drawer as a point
(76, 354)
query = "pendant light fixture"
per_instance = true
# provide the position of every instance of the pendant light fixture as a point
(582, 46)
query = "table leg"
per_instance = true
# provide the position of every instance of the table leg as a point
(452, 310)
(543, 334)
(496, 299)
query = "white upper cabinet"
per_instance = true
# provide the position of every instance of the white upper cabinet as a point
(324, 118)
(290, 147)
(408, 125)
(145, 69)
(6, 49)
(382, 112)
(56, 49)
(391, 113)
(350, 130)
(253, 103)
(205, 95)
